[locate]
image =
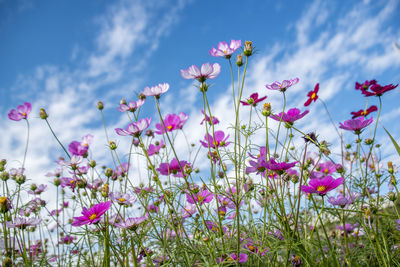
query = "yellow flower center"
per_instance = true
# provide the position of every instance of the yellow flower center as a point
(72, 182)
(229, 259)
(224, 202)
(321, 188)
(216, 143)
(297, 258)
(313, 95)
(85, 144)
(222, 213)
(326, 170)
(169, 127)
(3, 200)
(251, 248)
(364, 113)
(200, 198)
(93, 216)
(121, 199)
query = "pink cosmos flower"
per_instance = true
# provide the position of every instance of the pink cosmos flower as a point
(173, 168)
(322, 186)
(282, 86)
(131, 106)
(207, 71)
(80, 148)
(155, 149)
(201, 197)
(342, 201)
(356, 125)
(225, 50)
(290, 116)
(312, 95)
(21, 112)
(365, 85)
(122, 199)
(22, 222)
(280, 167)
(214, 227)
(253, 100)
(172, 122)
(135, 128)
(92, 215)
(219, 140)
(156, 90)
(233, 258)
(213, 120)
(132, 223)
(38, 190)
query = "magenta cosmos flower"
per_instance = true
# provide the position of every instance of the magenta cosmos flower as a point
(283, 85)
(135, 128)
(280, 167)
(155, 148)
(225, 50)
(174, 168)
(80, 148)
(219, 141)
(356, 125)
(207, 71)
(131, 106)
(378, 90)
(92, 215)
(212, 120)
(232, 258)
(156, 90)
(172, 122)
(322, 186)
(364, 112)
(253, 100)
(312, 95)
(290, 116)
(21, 112)
(201, 197)
(365, 85)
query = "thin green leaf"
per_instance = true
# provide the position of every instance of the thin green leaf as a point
(393, 141)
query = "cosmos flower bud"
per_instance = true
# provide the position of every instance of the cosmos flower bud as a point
(122, 102)
(266, 111)
(4, 204)
(81, 183)
(112, 145)
(248, 48)
(142, 96)
(57, 181)
(100, 105)
(187, 169)
(108, 172)
(392, 196)
(20, 179)
(43, 114)
(368, 141)
(105, 190)
(239, 60)
(4, 176)
(92, 163)
(33, 187)
(390, 167)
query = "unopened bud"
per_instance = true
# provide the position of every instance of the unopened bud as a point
(100, 105)
(248, 48)
(368, 141)
(187, 169)
(392, 196)
(142, 96)
(196, 170)
(105, 190)
(112, 145)
(203, 87)
(33, 187)
(149, 133)
(4, 204)
(390, 167)
(122, 102)
(81, 183)
(4, 176)
(239, 60)
(266, 111)
(108, 172)
(57, 181)
(92, 163)
(43, 114)
(20, 179)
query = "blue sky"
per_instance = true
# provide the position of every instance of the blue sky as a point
(66, 55)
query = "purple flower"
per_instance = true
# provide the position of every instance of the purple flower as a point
(258, 166)
(207, 71)
(135, 128)
(132, 223)
(397, 225)
(282, 86)
(201, 197)
(322, 186)
(253, 100)
(21, 112)
(225, 50)
(188, 211)
(233, 258)
(92, 215)
(365, 85)
(174, 168)
(343, 201)
(214, 227)
(348, 227)
(218, 141)
(327, 168)
(280, 167)
(123, 199)
(155, 149)
(378, 90)
(38, 190)
(172, 122)
(356, 125)
(21, 222)
(120, 171)
(66, 239)
(80, 148)
(212, 120)
(131, 106)
(290, 116)
(156, 90)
